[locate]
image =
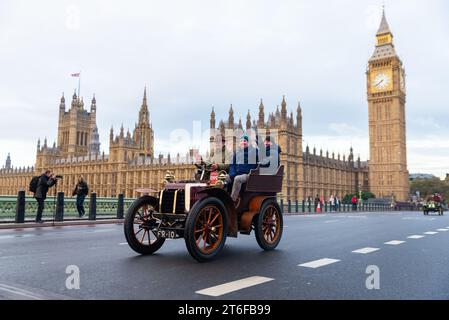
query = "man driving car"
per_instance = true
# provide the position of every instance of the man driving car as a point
(244, 160)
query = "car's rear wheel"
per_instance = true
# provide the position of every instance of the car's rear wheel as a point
(139, 226)
(206, 229)
(269, 225)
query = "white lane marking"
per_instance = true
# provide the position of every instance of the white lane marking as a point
(331, 221)
(123, 243)
(7, 237)
(20, 292)
(430, 233)
(99, 231)
(366, 250)
(416, 237)
(394, 242)
(318, 263)
(225, 288)
(442, 230)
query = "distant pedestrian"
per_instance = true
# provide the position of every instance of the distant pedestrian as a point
(332, 202)
(46, 181)
(354, 202)
(81, 191)
(337, 203)
(309, 202)
(317, 202)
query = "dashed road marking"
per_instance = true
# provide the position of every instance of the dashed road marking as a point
(123, 243)
(394, 242)
(318, 263)
(225, 288)
(416, 237)
(366, 250)
(331, 221)
(442, 230)
(430, 233)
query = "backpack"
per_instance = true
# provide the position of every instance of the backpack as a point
(34, 184)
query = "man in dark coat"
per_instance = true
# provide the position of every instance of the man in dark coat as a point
(244, 160)
(81, 191)
(46, 181)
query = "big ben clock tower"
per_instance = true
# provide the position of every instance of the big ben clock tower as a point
(388, 174)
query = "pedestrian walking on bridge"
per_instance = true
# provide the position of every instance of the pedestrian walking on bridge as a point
(81, 191)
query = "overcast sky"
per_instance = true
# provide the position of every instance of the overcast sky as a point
(193, 55)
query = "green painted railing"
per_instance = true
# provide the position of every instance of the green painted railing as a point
(105, 207)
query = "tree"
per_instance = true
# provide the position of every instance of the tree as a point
(365, 196)
(428, 187)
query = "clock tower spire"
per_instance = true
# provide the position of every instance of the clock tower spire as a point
(388, 174)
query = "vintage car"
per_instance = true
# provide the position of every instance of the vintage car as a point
(433, 206)
(203, 213)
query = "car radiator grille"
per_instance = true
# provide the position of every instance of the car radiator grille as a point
(167, 201)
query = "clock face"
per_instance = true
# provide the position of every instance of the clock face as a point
(382, 81)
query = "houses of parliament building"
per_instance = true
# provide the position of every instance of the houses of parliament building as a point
(131, 163)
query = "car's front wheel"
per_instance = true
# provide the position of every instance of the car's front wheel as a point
(139, 225)
(206, 229)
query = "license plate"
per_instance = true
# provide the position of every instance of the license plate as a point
(166, 234)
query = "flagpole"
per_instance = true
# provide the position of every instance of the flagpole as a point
(79, 86)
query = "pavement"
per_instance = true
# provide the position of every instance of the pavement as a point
(402, 255)
(50, 223)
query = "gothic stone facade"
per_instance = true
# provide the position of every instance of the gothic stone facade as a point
(306, 174)
(131, 163)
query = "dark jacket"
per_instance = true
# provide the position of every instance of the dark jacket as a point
(81, 189)
(270, 159)
(243, 161)
(43, 185)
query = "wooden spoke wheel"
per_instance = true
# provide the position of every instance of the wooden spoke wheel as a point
(269, 225)
(206, 229)
(139, 226)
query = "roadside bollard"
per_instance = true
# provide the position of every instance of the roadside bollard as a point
(93, 206)
(20, 207)
(59, 214)
(289, 206)
(282, 206)
(297, 206)
(303, 206)
(120, 206)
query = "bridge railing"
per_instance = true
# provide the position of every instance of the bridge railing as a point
(289, 206)
(22, 208)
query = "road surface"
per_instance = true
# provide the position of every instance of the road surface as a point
(322, 256)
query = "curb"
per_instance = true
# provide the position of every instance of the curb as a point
(49, 224)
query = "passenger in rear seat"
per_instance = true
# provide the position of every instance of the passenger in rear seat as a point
(269, 156)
